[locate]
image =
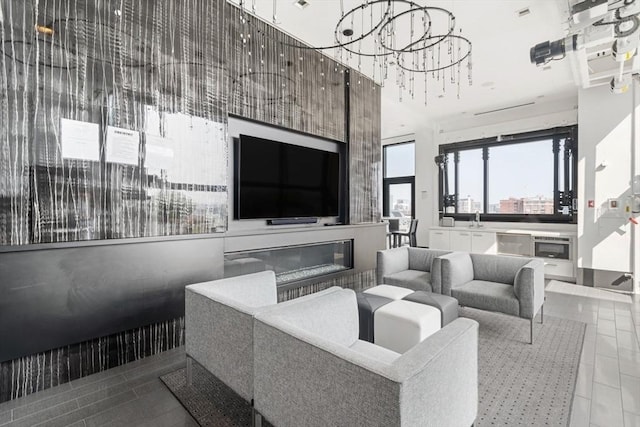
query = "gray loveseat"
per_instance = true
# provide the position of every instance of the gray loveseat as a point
(505, 284)
(312, 370)
(413, 268)
(219, 322)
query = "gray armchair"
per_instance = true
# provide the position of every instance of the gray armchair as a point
(219, 322)
(311, 370)
(413, 268)
(505, 284)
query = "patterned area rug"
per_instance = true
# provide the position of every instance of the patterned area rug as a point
(522, 384)
(519, 384)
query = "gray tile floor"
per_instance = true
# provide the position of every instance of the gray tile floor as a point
(607, 392)
(608, 387)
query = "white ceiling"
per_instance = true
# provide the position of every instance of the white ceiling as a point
(502, 73)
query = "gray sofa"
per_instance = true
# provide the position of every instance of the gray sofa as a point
(505, 284)
(413, 268)
(311, 370)
(219, 321)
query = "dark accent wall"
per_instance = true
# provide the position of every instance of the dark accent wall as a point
(365, 152)
(173, 69)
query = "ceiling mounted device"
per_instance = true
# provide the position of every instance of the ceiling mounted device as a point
(601, 43)
(373, 36)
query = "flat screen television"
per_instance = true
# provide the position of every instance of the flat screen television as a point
(278, 180)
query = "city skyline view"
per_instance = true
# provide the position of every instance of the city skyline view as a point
(520, 178)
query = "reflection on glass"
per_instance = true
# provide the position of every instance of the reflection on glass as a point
(400, 200)
(293, 263)
(399, 160)
(521, 178)
(470, 176)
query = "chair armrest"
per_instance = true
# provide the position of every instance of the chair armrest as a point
(219, 337)
(443, 372)
(300, 377)
(529, 288)
(390, 261)
(457, 269)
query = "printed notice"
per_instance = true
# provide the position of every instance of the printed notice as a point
(122, 146)
(159, 154)
(80, 140)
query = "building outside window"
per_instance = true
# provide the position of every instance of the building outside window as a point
(399, 180)
(523, 177)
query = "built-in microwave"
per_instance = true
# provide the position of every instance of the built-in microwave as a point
(552, 247)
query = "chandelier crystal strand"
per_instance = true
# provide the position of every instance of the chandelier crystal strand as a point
(275, 19)
(385, 42)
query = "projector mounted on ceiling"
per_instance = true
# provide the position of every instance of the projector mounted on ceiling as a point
(602, 43)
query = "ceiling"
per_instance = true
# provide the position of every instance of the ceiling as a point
(502, 75)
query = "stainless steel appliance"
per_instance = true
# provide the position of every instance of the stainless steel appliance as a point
(552, 247)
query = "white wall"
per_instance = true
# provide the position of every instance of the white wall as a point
(604, 172)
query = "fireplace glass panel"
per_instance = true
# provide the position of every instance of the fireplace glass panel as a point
(292, 263)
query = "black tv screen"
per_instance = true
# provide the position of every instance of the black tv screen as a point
(278, 180)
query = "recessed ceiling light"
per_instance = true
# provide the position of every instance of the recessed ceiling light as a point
(301, 3)
(524, 12)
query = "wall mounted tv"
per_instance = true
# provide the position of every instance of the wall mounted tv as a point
(279, 180)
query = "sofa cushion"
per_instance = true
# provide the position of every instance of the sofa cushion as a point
(339, 324)
(497, 268)
(375, 351)
(421, 258)
(412, 279)
(490, 296)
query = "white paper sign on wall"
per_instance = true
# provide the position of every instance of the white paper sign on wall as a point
(80, 140)
(122, 146)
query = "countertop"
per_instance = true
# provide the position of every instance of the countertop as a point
(489, 229)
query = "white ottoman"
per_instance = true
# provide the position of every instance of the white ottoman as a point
(388, 291)
(400, 325)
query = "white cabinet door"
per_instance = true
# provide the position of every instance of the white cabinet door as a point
(439, 239)
(461, 241)
(558, 268)
(483, 242)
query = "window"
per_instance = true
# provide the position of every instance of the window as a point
(525, 177)
(399, 180)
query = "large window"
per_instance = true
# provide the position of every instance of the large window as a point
(399, 180)
(525, 177)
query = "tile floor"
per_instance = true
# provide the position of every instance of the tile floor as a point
(608, 387)
(607, 392)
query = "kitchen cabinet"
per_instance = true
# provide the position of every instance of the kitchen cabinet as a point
(439, 239)
(482, 242)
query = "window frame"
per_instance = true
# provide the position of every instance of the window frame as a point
(562, 197)
(387, 182)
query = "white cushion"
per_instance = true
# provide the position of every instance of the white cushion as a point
(400, 325)
(388, 291)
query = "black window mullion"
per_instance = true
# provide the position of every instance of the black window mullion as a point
(485, 158)
(556, 178)
(456, 173)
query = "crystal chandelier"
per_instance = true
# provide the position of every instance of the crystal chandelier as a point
(420, 42)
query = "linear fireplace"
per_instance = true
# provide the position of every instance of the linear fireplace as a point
(293, 264)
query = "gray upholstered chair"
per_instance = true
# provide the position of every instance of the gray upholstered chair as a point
(219, 325)
(413, 268)
(312, 370)
(505, 284)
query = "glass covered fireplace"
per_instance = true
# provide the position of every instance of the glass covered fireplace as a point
(293, 264)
